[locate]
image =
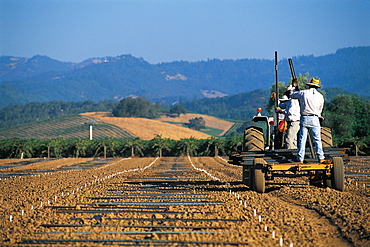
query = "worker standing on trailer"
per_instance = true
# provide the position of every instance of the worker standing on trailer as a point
(291, 109)
(311, 104)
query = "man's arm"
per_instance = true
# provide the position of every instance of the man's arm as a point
(295, 94)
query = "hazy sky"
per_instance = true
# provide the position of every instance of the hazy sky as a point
(189, 30)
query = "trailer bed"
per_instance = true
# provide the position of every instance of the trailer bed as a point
(284, 156)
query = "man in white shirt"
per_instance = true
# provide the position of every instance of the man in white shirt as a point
(291, 110)
(311, 104)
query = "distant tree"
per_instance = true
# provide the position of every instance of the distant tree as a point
(187, 146)
(136, 107)
(349, 119)
(159, 143)
(348, 116)
(362, 113)
(23, 148)
(340, 117)
(234, 143)
(82, 146)
(178, 109)
(57, 146)
(135, 144)
(106, 146)
(356, 144)
(213, 146)
(197, 123)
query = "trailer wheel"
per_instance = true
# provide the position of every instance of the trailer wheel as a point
(326, 137)
(317, 179)
(253, 139)
(258, 176)
(338, 174)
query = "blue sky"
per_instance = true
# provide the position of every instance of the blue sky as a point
(173, 30)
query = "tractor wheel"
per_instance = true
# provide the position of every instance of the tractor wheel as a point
(326, 137)
(258, 176)
(253, 139)
(328, 182)
(251, 178)
(338, 174)
(247, 176)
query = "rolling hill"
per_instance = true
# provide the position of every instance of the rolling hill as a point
(146, 129)
(74, 126)
(68, 127)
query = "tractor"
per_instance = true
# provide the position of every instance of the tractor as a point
(263, 157)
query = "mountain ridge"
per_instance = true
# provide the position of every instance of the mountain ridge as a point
(41, 79)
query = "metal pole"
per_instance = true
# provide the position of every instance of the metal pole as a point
(276, 80)
(90, 122)
(91, 131)
(276, 103)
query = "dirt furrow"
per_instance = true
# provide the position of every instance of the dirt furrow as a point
(113, 201)
(328, 217)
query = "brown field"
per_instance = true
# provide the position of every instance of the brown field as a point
(55, 205)
(146, 129)
(55, 164)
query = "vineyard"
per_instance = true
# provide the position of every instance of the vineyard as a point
(233, 128)
(105, 126)
(69, 127)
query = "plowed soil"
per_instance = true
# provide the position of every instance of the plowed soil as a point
(290, 213)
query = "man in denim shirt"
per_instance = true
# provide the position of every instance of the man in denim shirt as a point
(291, 109)
(311, 104)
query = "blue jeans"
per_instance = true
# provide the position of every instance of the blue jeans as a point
(310, 123)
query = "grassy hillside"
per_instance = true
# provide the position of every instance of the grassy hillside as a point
(68, 127)
(146, 129)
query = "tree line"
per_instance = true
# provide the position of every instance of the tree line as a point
(114, 147)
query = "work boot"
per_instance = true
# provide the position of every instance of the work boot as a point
(322, 161)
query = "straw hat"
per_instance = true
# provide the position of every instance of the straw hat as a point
(314, 82)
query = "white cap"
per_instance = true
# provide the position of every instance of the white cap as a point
(284, 98)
